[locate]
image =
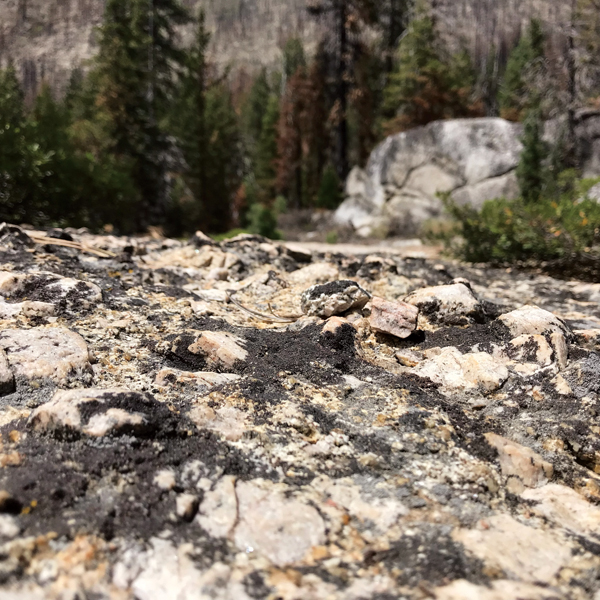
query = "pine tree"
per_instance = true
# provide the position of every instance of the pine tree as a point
(519, 90)
(427, 85)
(253, 110)
(204, 121)
(135, 69)
(294, 57)
(266, 154)
(530, 171)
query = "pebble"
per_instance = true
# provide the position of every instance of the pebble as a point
(57, 354)
(220, 349)
(334, 298)
(520, 462)
(187, 506)
(96, 412)
(453, 304)
(394, 318)
(531, 320)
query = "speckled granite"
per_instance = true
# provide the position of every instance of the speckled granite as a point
(161, 443)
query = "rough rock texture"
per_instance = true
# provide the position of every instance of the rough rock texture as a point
(164, 443)
(473, 160)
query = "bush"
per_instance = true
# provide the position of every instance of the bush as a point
(505, 231)
(263, 221)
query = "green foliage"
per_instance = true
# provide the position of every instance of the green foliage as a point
(253, 110)
(294, 57)
(329, 195)
(531, 168)
(332, 237)
(266, 152)
(518, 93)
(262, 221)
(505, 231)
(426, 84)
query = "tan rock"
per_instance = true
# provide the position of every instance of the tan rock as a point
(566, 508)
(64, 412)
(520, 552)
(219, 509)
(532, 320)
(167, 376)
(281, 529)
(503, 589)
(333, 324)
(312, 274)
(221, 349)
(520, 461)
(54, 354)
(531, 349)
(186, 506)
(394, 318)
(456, 371)
(7, 380)
(450, 304)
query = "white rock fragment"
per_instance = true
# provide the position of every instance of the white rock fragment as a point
(566, 508)
(48, 288)
(453, 304)
(521, 552)
(9, 527)
(220, 349)
(531, 320)
(455, 371)
(313, 274)
(394, 318)
(333, 298)
(502, 589)
(282, 529)
(69, 411)
(7, 380)
(165, 479)
(208, 379)
(219, 509)
(520, 461)
(54, 354)
(186, 506)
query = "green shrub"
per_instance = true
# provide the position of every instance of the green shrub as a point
(263, 221)
(515, 230)
(332, 237)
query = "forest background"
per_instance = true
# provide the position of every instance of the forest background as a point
(152, 134)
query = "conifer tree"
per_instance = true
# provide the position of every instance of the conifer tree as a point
(266, 154)
(427, 85)
(253, 110)
(135, 69)
(204, 121)
(519, 91)
(530, 171)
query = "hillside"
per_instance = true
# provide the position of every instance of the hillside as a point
(47, 38)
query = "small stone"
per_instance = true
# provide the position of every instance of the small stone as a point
(9, 527)
(218, 274)
(561, 350)
(62, 292)
(531, 320)
(7, 380)
(283, 530)
(333, 324)
(208, 379)
(446, 304)
(200, 239)
(456, 371)
(394, 318)
(409, 358)
(165, 479)
(333, 298)
(566, 508)
(98, 413)
(187, 506)
(219, 509)
(313, 274)
(519, 551)
(220, 349)
(521, 462)
(55, 354)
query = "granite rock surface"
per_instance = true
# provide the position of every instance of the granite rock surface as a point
(171, 435)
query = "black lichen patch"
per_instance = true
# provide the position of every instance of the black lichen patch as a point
(107, 485)
(484, 335)
(430, 555)
(329, 289)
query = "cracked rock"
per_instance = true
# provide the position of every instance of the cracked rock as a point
(394, 318)
(334, 298)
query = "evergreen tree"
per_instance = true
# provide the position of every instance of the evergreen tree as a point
(135, 69)
(519, 90)
(266, 154)
(427, 85)
(294, 57)
(204, 121)
(530, 171)
(253, 110)
(329, 195)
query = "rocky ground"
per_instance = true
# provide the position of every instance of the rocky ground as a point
(186, 421)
